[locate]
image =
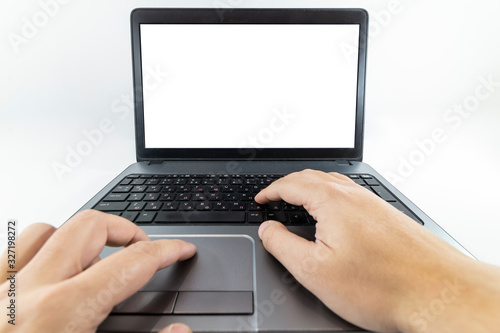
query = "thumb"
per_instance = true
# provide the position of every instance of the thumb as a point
(291, 250)
(176, 328)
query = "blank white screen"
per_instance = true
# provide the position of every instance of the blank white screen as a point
(232, 86)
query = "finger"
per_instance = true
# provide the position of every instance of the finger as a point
(302, 177)
(316, 175)
(176, 328)
(297, 254)
(124, 272)
(28, 244)
(340, 177)
(297, 191)
(74, 246)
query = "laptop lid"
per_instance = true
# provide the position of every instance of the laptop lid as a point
(249, 84)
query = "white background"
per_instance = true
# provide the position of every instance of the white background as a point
(423, 58)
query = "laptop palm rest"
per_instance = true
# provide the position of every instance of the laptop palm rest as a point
(217, 280)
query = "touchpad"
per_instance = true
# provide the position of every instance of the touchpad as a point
(217, 280)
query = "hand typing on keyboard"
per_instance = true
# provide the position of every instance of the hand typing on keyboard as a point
(62, 284)
(375, 267)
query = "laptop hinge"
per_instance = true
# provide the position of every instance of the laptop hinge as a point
(155, 162)
(343, 162)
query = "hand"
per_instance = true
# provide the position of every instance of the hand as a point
(63, 286)
(370, 263)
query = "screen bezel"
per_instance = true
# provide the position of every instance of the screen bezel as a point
(248, 16)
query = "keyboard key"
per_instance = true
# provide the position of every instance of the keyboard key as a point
(136, 197)
(372, 181)
(111, 206)
(359, 181)
(187, 206)
(221, 205)
(180, 181)
(169, 188)
(199, 197)
(136, 206)
(138, 181)
(197, 216)
(167, 197)
(255, 217)
(116, 197)
(139, 188)
(297, 218)
(184, 189)
(153, 188)
(153, 206)
(274, 206)
(152, 196)
(184, 196)
(227, 188)
(166, 181)
(198, 189)
(230, 197)
(290, 207)
(122, 189)
(145, 217)
(237, 205)
(208, 181)
(152, 181)
(277, 216)
(214, 196)
(255, 206)
(170, 205)
(244, 189)
(246, 196)
(223, 180)
(130, 215)
(126, 181)
(383, 193)
(204, 206)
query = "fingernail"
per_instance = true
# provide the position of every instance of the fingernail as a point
(262, 227)
(178, 328)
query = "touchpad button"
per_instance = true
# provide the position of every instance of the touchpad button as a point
(147, 302)
(214, 302)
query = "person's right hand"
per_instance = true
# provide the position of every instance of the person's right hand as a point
(370, 263)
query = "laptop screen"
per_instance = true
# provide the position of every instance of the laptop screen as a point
(249, 86)
(283, 83)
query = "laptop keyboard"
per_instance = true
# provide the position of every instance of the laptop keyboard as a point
(214, 199)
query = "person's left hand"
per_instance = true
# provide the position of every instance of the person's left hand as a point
(63, 286)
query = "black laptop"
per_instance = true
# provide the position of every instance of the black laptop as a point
(246, 96)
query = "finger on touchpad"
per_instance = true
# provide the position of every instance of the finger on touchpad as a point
(221, 263)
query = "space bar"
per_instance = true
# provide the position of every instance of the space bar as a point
(196, 216)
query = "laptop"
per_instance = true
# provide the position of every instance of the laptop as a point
(226, 102)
